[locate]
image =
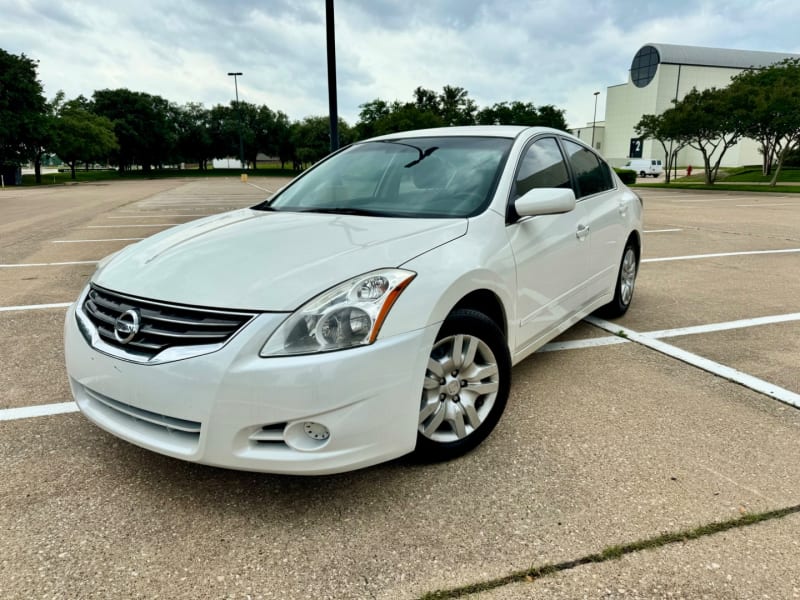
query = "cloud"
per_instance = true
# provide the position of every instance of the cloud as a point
(540, 51)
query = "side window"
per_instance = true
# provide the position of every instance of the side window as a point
(592, 174)
(542, 166)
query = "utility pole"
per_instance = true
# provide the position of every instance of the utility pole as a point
(239, 116)
(333, 109)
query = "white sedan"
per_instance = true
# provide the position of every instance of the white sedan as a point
(372, 308)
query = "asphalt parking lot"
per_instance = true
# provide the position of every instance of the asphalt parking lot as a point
(640, 435)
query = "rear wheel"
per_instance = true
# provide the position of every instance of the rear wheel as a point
(466, 386)
(626, 280)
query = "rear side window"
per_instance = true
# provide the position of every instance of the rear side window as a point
(592, 174)
(542, 166)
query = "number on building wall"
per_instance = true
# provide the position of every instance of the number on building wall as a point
(635, 150)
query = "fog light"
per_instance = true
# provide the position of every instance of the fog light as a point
(316, 431)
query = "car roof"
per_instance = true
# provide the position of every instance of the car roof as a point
(504, 131)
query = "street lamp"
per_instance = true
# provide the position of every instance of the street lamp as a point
(594, 117)
(239, 115)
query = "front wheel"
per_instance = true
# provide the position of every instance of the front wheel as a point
(466, 386)
(626, 279)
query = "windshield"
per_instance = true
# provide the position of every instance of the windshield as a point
(417, 177)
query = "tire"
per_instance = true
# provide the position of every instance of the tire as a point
(642, 174)
(466, 386)
(626, 280)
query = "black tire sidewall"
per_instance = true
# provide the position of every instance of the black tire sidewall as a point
(617, 308)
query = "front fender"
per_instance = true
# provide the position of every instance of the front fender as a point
(480, 260)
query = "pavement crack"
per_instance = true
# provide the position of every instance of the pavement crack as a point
(368, 590)
(613, 553)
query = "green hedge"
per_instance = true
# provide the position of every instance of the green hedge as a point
(626, 175)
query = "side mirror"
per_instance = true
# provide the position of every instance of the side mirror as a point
(545, 201)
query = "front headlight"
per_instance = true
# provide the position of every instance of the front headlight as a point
(347, 315)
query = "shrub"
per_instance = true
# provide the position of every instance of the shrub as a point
(626, 175)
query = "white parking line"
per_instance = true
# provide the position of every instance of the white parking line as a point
(156, 216)
(760, 205)
(34, 306)
(261, 188)
(128, 226)
(42, 410)
(103, 240)
(740, 324)
(668, 333)
(661, 230)
(719, 254)
(715, 368)
(53, 264)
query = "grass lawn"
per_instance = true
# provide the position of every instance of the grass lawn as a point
(723, 187)
(114, 175)
(738, 179)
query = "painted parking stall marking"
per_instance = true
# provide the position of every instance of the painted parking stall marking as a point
(715, 368)
(34, 306)
(720, 255)
(42, 410)
(100, 240)
(53, 264)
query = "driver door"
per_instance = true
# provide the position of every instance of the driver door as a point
(550, 251)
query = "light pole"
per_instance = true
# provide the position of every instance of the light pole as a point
(239, 115)
(333, 109)
(594, 117)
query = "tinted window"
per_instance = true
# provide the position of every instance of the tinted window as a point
(593, 175)
(542, 167)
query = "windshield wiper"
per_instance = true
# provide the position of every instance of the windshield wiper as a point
(422, 154)
(343, 210)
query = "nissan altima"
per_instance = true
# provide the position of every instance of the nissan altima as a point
(372, 308)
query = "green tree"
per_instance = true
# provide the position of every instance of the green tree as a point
(283, 138)
(379, 118)
(710, 121)
(145, 132)
(522, 113)
(312, 140)
(661, 128)
(456, 107)
(193, 134)
(79, 135)
(770, 101)
(22, 109)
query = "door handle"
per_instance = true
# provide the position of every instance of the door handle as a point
(582, 232)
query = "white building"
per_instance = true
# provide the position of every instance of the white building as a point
(659, 74)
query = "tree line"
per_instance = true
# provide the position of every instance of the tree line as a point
(759, 104)
(130, 129)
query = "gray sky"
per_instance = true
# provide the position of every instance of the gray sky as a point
(542, 51)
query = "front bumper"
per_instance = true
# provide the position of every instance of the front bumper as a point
(233, 409)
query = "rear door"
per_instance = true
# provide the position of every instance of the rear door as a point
(604, 208)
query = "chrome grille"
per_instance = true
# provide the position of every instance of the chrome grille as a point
(161, 326)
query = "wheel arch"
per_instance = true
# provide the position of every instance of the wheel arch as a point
(635, 238)
(487, 302)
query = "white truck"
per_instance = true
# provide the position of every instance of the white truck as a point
(645, 166)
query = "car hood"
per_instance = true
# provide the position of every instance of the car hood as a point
(271, 261)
